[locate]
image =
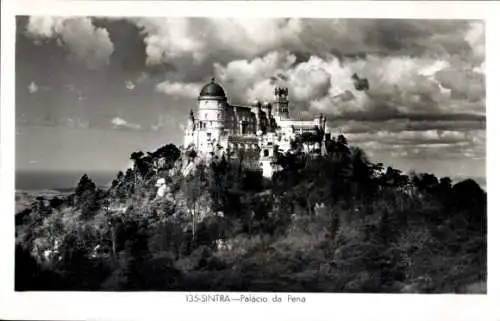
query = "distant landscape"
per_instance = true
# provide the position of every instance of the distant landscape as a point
(57, 180)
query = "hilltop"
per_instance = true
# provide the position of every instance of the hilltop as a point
(333, 223)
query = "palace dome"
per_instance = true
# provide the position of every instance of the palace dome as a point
(212, 91)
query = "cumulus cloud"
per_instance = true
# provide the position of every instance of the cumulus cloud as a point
(247, 80)
(32, 87)
(399, 85)
(85, 41)
(120, 123)
(129, 85)
(199, 39)
(178, 89)
(170, 38)
(475, 37)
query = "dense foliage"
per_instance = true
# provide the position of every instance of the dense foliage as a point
(336, 223)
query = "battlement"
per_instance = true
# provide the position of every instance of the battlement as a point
(281, 92)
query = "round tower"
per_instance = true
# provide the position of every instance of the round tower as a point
(212, 103)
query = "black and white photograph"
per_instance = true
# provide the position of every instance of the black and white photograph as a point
(219, 154)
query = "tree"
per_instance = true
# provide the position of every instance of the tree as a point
(140, 165)
(85, 184)
(363, 170)
(193, 191)
(136, 254)
(342, 147)
(87, 196)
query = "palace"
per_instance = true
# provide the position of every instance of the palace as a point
(254, 134)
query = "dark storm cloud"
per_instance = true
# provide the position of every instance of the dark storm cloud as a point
(416, 38)
(129, 54)
(360, 83)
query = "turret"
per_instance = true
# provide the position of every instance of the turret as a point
(280, 104)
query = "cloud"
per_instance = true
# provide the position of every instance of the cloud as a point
(437, 144)
(85, 42)
(120, 123)
(32, 87)
(360, 83)
(178, 89)
(466, 84)
(475, 38)
(398, 125)
(246, 80)
(398, 85)
(129, 85)
(200, 39)
(415, 88)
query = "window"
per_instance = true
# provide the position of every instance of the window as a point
(206, 115)
(266, 152)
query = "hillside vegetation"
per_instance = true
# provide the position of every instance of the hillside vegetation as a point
(333, 223)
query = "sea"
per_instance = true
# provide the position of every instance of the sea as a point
(63, 181)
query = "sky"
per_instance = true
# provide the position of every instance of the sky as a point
(90, 91)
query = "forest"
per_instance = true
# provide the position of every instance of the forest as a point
(326, 223)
